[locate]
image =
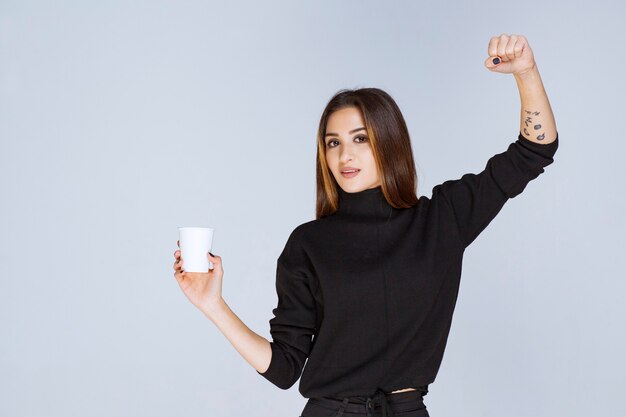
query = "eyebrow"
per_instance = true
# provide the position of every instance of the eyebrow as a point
(352, 131)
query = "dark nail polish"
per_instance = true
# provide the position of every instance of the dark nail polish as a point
(496, 61)
(211, 254)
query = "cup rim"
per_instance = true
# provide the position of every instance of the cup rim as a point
(196, 227)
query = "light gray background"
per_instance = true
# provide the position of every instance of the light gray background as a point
(120, 122)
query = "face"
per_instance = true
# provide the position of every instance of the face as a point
(348, 146)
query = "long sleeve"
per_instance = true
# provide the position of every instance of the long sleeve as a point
(293, 324)
(475, 199)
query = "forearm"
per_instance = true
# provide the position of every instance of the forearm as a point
(537, 120)
(254, 348)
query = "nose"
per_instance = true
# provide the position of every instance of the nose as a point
(346, 155)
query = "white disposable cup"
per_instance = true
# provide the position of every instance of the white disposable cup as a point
(195, 243)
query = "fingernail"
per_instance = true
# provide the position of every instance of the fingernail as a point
(211, 254)
(496, 61)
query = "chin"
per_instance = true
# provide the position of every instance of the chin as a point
(354, 187)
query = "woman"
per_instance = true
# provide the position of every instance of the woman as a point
(367, 290)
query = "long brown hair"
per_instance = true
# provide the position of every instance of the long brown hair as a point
(391, 147)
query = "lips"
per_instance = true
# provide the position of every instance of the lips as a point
(349, 173)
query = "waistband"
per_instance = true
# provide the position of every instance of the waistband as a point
(401, 401)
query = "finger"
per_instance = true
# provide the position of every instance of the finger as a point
(503, 42)
(509, 51)
(492, 49)
(177, 254)
(520, 44)
(178, 265)
(180, 277)
(217, 262)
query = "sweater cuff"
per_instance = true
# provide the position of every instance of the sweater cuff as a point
(548, 150)
(274, 372)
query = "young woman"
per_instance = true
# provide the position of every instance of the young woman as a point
(367, 290)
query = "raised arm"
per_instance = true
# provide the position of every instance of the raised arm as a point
(473, 200)
(537, 121)
(513, 55)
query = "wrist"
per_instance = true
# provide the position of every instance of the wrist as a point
(213, 308)
(526, 75)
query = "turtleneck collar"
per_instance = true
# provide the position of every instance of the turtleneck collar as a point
(369, 203)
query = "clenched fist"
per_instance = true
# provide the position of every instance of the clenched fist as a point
(512, 54)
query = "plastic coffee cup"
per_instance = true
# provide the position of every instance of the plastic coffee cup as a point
(195, 243)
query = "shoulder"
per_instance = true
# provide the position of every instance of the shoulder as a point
(312, 226)
(311, 234)
(424, 202)
(301, 232)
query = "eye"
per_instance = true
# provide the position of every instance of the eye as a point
(364, 139)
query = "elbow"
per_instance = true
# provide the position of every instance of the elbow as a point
(285, 366)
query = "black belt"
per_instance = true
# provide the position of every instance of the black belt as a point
(379, 394)
(370, 401)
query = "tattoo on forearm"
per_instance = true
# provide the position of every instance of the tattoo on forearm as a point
(529, 121)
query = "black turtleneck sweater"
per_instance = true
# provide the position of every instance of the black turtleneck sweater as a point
(367, 294)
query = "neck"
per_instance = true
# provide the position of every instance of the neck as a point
(367, 204)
